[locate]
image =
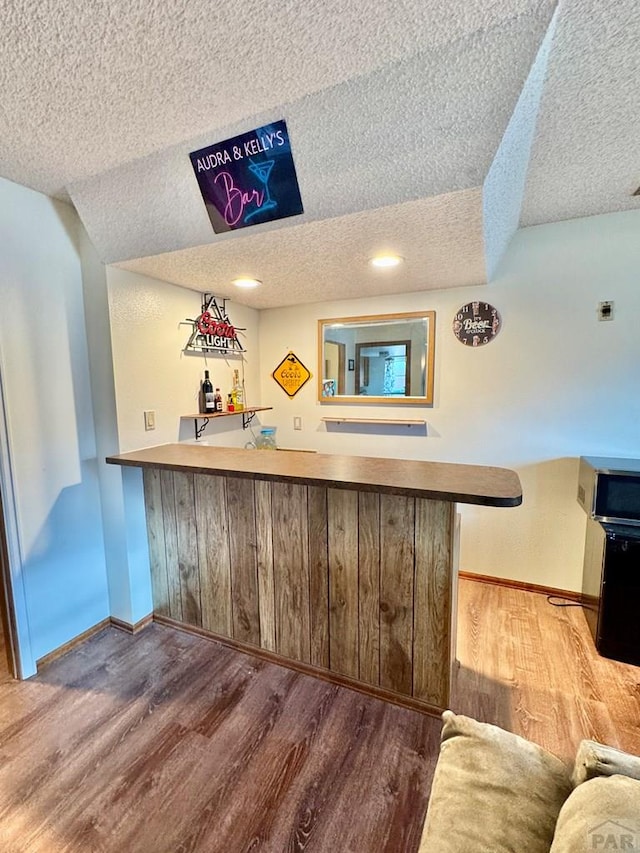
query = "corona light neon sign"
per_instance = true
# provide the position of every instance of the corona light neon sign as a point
(212, 329)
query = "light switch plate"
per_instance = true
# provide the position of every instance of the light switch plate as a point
(149, 419)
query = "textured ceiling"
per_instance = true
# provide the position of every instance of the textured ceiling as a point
(396, 110)
(87, 86)
(586, 154)
(428, 233)
(421, 126)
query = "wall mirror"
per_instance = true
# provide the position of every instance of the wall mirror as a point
(384, 358)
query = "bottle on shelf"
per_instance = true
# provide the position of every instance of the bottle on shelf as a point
(230, 406)
(208, 395)
(237, 393)
(218, 400)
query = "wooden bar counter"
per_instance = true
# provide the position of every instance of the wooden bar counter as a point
(341, 566)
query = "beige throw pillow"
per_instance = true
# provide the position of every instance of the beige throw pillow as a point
(493, 792)
(594, 759)
(601, 814)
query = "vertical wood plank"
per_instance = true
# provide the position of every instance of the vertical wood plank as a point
(318, 575)
(264, 542)
(187, 547)
(455, 572)
(396, 592)
(241, 519)
(171, 544)
(433, 601)
(342, 516)
(291, 570)
(369, 586)
(213, 553)
(155, 537)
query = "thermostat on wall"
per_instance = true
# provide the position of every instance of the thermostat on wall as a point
(605, 310)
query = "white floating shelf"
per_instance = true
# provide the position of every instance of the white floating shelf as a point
(392, 421)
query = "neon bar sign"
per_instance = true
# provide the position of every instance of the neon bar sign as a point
(212, 329)
(248, 179)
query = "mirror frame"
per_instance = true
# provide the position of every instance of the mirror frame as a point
(429, 354)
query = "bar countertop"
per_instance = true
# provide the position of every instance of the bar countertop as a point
(444, 481)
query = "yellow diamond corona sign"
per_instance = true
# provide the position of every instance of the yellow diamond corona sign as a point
(291, 374)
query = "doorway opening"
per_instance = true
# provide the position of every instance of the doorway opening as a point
(334, 364)
(382, 369)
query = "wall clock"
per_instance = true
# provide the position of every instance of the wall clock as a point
(476, 324)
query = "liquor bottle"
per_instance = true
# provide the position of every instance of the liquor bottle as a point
(218, 400)
(237, 392)
(230, 407)
(207, 393)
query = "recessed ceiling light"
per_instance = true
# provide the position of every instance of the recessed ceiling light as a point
(246, 283)
(386, 261)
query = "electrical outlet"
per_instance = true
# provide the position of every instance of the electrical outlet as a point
(149, 419)
(605, 310)
(297, 422)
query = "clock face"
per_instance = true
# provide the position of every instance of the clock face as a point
(476, 323)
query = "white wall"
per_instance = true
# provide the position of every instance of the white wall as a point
(555, 384)
(47, 395)
(123, 517)
(151, 370)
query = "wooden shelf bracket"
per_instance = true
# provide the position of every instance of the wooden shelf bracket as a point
(201, 428)
(247, 417)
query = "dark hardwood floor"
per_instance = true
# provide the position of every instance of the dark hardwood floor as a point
(170, 742)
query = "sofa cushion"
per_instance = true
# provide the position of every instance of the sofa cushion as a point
(601, 814)
(594, 759)
(492, 791)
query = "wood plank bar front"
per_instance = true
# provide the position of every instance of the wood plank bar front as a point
(342, 580)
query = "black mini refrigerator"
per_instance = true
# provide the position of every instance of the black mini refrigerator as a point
(611, 589)
(609, 493)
